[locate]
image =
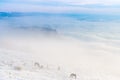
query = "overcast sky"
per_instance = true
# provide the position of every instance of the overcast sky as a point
(61, 6)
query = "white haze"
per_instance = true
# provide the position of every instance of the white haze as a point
(96, 57)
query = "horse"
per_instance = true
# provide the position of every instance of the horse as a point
(73, 75)
(36, 64)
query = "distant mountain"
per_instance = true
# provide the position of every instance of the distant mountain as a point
(16, 14)
(81, 16)
(10, 14)
(46, 30)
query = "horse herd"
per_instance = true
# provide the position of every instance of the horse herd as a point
(72, 75)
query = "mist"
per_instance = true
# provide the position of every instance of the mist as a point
(90, 48)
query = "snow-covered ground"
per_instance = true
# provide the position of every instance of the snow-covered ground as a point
(55, 58)
(19, 66)
(27, 58)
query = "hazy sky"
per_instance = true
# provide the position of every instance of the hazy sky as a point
(61, 6)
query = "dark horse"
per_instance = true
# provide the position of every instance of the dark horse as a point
(73, 75)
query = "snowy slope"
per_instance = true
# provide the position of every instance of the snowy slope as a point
(89, 61)
(16, 66)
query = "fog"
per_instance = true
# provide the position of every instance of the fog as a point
(88, 48)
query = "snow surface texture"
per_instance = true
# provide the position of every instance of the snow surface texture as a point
(14, 66)
(48, 58)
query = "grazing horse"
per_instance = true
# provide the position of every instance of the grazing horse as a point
(38, 65)
(73, 75)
